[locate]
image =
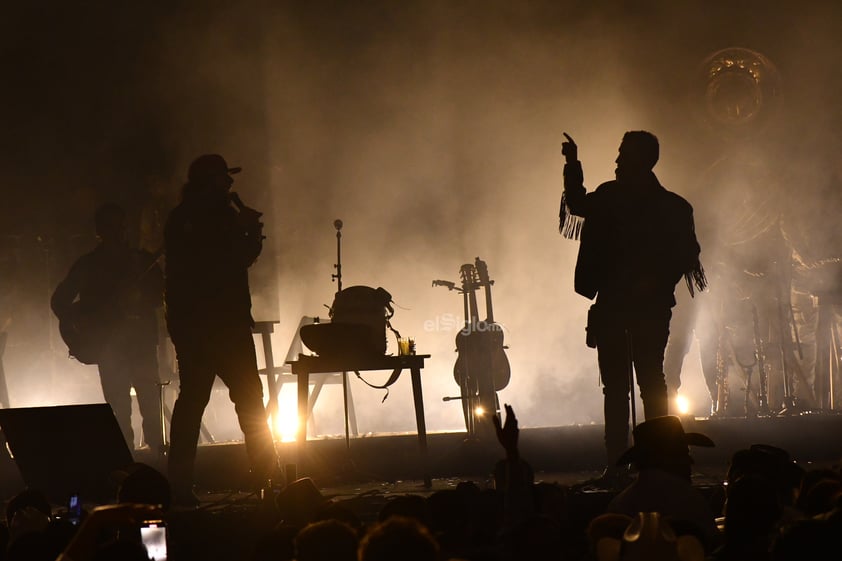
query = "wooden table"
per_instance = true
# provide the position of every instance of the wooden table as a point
(306, 365)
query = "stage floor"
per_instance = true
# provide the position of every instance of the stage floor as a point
(391, 463)
(564, 451)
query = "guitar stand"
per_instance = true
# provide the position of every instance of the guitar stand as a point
(482, 367)
(470, 402)
(468, 412)
(166, 417)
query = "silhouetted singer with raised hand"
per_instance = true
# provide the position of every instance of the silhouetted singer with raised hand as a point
(637, 241)
(210, 246)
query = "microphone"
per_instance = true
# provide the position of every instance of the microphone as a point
(238, 202)
(337, 224)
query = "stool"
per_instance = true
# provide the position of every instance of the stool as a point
(265, 330)
(276, 376)
(307, 365)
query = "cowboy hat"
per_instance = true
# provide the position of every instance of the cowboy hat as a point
(662, 437)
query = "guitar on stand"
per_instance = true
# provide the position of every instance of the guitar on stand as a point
(500, 371)
(482, 367)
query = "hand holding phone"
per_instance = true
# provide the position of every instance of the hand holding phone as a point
(86, 540)
(153, 534)
(74, 509)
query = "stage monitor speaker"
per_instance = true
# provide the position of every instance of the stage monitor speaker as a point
(67, 449)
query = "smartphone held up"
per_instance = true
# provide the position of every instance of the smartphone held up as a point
(153, 534)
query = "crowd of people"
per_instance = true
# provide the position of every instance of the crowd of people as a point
(773, 509)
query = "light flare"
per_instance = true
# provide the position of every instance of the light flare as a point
(682, 405)
(286, 426)
(285, 422)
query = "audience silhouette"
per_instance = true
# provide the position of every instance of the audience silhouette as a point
(663, 483)
(774, 510)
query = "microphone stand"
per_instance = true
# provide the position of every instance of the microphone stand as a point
(338, 266)
(338, 278)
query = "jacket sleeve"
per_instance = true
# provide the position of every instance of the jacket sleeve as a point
(689, 251)
(573, 207)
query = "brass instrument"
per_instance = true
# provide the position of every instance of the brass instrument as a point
(738, 92)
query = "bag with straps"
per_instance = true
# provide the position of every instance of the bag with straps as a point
(359, 318)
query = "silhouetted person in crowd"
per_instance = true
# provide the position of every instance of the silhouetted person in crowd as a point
(645, 536)
(408, 506)
(278, 544)
(752, 513)
(532, 523)
(142, 484)
(106, 534)
(816, 539)
(663, 484)
(106, 307)
(820, 492)
(27, 511)
(637, 241)
(210, 246)
(775, 465)
(299, 502)
(33, 533)
(513, 476)
(328, 540)
(398, 538)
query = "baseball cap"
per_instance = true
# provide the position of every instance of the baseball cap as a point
(209, 165)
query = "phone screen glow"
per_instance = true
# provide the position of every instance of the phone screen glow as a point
(154, 537)
(74, 509)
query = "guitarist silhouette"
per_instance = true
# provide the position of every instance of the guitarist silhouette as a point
(106, 309)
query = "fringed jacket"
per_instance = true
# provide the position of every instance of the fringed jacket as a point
(637, 241)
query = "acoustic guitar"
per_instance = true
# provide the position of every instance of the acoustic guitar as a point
(469, 343)
(86, 328)
(493, 341)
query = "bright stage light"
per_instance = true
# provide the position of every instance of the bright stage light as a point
(682, 405)
(286, 426)
(479, 411)
(285, 422)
